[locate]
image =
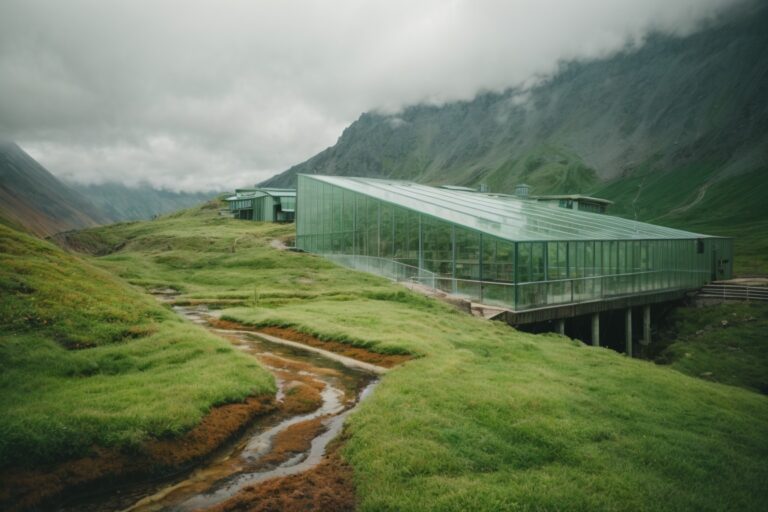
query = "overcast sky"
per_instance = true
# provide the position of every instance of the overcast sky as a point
(200, 95)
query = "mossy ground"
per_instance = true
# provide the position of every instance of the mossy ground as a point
(486, 418)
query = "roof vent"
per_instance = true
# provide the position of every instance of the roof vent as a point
(521, 190)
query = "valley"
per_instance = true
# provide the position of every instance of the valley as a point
(163, 347)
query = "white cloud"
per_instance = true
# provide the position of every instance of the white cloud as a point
(198, 94)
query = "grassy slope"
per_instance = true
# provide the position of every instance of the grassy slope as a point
(489, 418)
(725, 343)
(57, 403)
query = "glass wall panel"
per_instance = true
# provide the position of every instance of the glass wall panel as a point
(538, 261)
(498, 259)
(361, 223)
(400, 243)
(523, 262)
(372, 226)
(437, 246)
(410, 238)
(467, 254)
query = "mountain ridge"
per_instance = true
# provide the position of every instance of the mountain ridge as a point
(33, 198)
(673, 103)
(123, 203)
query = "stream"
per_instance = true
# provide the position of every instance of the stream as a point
(246, 461)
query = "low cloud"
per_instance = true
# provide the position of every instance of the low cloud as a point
(194, 95)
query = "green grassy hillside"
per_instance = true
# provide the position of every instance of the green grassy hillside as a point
(86, 360)
(486, 418)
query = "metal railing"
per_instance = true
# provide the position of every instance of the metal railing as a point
(528, 295)
(734, 292)
(390, 269)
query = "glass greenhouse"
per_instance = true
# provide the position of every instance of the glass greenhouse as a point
(497, 249)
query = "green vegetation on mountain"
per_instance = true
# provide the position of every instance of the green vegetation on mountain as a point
(675, 132)
(86, 360)
(486, 418)
(724, 343)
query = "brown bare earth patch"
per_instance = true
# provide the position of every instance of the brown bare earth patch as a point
(294, 366)
(361, 354)
(301, 398)
(24, 488)
(218, 426)
(329, 486)
(295, 439)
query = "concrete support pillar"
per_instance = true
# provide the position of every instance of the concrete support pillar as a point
(628, 331)
(560, 326)
(596, 329)
(646, 324)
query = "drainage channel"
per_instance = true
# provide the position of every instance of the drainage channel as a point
(336, 385)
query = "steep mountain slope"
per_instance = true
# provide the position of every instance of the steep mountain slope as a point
(32, 197)
(120, 202)
(675, 131)
(670, 104)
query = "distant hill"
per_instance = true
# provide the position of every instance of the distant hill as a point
(675, 132)
(32, 198)
(120, 202)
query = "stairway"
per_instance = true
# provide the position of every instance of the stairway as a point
(727, 290)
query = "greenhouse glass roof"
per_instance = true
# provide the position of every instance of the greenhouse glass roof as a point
(506, 216)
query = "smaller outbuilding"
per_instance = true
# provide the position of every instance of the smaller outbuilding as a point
(263, 204)
(576, 202)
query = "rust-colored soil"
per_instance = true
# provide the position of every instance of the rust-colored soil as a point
(329, 486)
(301, 398)
(295, 439)
(296, 367)
(361, 354)
(24, 488)
(218, 426)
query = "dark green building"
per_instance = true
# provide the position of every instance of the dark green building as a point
(263, 204)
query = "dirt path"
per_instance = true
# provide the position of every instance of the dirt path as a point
(699, 196)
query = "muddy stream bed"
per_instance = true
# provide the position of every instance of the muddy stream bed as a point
(316, 392)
